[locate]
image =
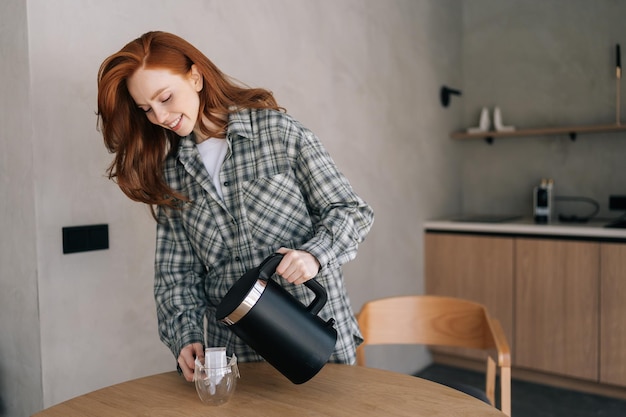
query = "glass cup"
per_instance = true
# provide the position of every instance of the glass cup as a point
(216, 384)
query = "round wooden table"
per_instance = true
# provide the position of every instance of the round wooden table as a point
(338, 390)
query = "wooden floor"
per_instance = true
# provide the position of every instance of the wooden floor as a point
(535, 400)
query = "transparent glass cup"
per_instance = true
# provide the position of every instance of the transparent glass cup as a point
(216, 384)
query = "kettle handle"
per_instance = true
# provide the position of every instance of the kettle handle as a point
(267, 269)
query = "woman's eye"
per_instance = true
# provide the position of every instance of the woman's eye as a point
(148, 110)
(166, 99)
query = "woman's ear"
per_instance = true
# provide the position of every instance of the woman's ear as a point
(196, 78)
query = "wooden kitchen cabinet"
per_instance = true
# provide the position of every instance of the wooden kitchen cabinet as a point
(477, 268)
(561, 298)
(613, 314)
(557, 308)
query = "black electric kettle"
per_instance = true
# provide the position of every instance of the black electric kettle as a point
(287, 334)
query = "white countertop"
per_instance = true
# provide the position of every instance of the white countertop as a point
(529, 227)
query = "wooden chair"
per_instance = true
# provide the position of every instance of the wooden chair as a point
(440, 321)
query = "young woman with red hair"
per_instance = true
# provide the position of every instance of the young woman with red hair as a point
(231, 178)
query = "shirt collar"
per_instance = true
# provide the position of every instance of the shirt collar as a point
(238, 126)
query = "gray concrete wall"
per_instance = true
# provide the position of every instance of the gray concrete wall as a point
(20, 360)
(545, 63)
(364, 75)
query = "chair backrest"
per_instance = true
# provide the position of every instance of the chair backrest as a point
(426, 319)
(439, 321)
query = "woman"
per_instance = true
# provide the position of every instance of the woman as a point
(231, 179)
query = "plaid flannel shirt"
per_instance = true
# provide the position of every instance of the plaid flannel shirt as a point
(280, 188)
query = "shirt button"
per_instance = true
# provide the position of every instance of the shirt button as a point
(237, 258)
(226, 183)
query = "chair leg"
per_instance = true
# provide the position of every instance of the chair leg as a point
(490, 385)
(505, 390)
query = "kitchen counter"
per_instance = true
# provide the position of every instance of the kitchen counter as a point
(527, 226)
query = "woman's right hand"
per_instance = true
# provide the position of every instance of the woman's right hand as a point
(187, 358)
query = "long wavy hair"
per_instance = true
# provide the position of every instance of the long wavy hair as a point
(141, 147)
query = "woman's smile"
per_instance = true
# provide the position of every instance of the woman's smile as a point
(175, 125)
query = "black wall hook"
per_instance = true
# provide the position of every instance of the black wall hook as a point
(445, 93)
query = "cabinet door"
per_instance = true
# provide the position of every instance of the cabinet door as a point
(477, 268)
(613, 314)
(556, 310)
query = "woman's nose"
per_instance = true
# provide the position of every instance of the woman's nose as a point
(160, 114)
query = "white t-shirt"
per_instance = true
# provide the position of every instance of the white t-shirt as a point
(213, 151)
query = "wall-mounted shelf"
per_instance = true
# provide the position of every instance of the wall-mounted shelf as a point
(572, 131)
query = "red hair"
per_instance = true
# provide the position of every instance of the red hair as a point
(141, 147)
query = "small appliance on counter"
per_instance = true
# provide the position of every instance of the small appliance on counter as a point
(618, 202)
(543, 201)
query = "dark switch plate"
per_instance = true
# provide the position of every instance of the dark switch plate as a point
(85, 238)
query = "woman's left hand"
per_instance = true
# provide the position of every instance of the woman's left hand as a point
(297, 266)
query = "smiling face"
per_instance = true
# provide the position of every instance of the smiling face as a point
(169, 100)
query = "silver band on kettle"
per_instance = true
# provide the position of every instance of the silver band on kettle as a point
(246, 305)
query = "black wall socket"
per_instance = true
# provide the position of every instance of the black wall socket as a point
(617, 202)
(85, 238)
